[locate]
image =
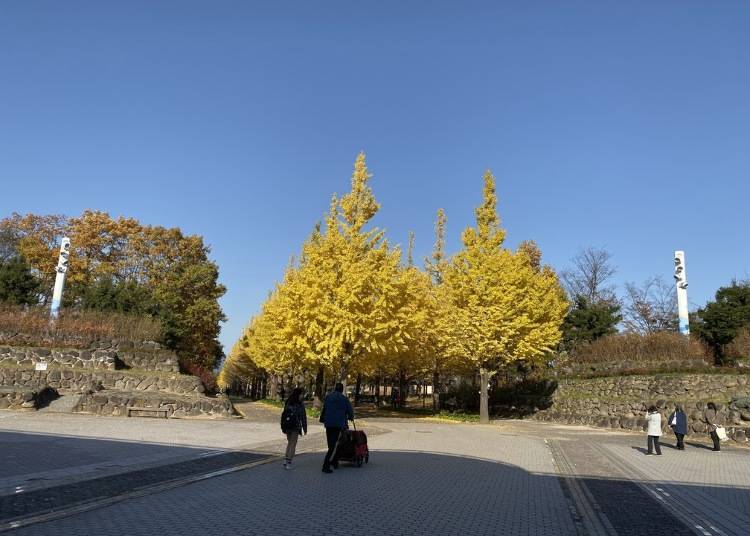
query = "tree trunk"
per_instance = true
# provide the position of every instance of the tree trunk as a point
(318, 398)
(484, 399)
(401, 393)
(435, 395)
(344, 371)
(345, 359)
(357, 389)
(273, 388)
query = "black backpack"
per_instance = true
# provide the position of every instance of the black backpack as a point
(289, 420)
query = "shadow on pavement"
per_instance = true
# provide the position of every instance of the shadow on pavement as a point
(398, 492)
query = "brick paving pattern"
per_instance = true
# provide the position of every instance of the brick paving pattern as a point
(416, 483)
(428, 478)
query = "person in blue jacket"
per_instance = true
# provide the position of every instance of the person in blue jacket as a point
(678, 422)
(337, 410)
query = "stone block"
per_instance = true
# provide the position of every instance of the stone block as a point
(100, 399)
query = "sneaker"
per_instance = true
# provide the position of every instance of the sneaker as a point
(649, 454)
(288, 466)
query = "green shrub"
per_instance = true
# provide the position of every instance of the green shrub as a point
(461, 397)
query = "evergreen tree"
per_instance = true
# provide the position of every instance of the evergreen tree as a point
(587, 321)
(17, 284)
(719, 322)
(122, 296)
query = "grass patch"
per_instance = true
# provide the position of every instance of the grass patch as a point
(311, 411)
(416, 413)
(456, 416)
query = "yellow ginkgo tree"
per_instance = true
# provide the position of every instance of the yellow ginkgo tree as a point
(352, 292)
(506, 308)
(343, 305)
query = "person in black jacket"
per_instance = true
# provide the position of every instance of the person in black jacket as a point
(678, 422)
(293, 423)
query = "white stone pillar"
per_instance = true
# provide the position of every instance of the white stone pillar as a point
(62, 269)
(680, 276)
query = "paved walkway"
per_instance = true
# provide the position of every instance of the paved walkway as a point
(44, 449)
(512, 477)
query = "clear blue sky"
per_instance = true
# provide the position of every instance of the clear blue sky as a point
(604, 122)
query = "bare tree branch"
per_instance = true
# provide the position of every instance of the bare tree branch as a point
(650, 307)
(590, 276)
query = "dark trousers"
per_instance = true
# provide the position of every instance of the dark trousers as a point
(715, 437)
(680, 443)
(653, 442)
(332, 437)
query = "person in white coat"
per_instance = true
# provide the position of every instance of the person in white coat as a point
(654, 430)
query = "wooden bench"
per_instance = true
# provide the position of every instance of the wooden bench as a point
(156, 411)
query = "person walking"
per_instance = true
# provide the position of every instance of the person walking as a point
(293, 423)
(678, 422)
(654, 430)
(710, 418)
(337, 410)
(394, 398)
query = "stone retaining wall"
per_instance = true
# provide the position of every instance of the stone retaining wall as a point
(622, 402)
(108, 355)
(115, 403)
(17, 399)
(96, 380)
(94, 359)
(25, 398)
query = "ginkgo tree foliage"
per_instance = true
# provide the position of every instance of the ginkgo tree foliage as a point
(349, 304)
(507, 307)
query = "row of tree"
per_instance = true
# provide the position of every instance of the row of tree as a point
(352, 306)
(121, 265)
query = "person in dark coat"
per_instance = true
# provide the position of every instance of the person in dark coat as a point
(337, 410)
(678, 422)
(295, 407)
(710, 418)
